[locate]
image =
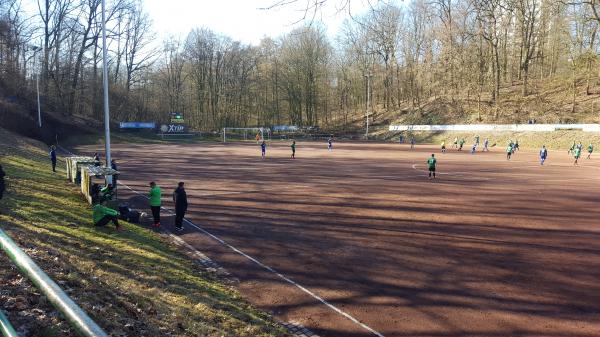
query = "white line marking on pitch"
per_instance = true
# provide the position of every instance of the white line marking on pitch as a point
(283, 277)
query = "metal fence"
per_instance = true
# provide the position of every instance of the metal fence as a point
(5, 327)
(84, 325)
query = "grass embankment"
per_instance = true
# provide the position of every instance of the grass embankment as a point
(133, 283)
(557, 140)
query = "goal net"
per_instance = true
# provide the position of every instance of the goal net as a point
(242, 134)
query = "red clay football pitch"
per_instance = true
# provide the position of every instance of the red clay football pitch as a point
(358, 242)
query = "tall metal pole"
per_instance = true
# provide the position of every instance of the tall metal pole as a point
(105, 84)
(574, 84)
(37, 85)
(368, 76)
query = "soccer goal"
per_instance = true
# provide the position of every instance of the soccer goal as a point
(241, 134)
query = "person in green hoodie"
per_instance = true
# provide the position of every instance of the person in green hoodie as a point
(103, 215)
(155, 195)
(590, 150)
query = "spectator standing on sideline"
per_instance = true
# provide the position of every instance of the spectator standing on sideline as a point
(53, 157)
(103, 215)
(113, 165)
(155, 195)
(181, 204)
(2, 174)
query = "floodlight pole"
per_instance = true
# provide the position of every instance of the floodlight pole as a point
(37, 85)
(368, 76)
(105, 84)
(37, 81)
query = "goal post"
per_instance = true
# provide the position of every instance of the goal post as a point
(241, 134)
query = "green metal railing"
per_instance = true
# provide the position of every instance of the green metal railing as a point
(5, 327)
(84, 325)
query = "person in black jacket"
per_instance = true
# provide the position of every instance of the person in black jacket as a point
(2, 174)
(53, 157)
(181, 204)
(113, 165)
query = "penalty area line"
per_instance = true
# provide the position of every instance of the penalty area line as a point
(270, 269)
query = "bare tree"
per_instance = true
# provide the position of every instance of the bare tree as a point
(139, 55)
(489, 14)
(528, 12)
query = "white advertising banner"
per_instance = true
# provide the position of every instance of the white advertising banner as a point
(498, 127)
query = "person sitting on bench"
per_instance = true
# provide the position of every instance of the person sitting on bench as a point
(103, 215)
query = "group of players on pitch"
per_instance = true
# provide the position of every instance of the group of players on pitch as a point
(459, 143)
(576, 150)
(263, 147)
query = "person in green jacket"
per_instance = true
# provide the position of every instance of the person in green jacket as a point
(431, 163)
(103, 215)
(155, 195)
(293, 146)
(590, 150)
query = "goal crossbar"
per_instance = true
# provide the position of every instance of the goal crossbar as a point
(262, 131)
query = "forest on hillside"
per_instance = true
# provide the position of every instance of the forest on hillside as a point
(405, 54)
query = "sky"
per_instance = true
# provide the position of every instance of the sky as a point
(242, 20)
(247, 21)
